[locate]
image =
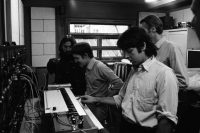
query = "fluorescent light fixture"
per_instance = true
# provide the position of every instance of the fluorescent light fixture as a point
(159, 1)
(149, 1)
(156, 3)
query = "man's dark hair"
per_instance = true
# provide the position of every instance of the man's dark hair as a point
(153, 21)
(136, 37)
(82, 48)
(67, 38)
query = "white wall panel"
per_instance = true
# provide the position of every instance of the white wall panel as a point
(49, 25)
(37, 25)
(37, 49)
(41, 61)
(42, 35)
(49, 49)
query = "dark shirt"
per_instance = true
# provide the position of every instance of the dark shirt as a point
(66, 71)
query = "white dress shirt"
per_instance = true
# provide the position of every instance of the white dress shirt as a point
(149, 93)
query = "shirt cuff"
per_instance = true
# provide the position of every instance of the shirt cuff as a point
(118, 100)
(168, 115)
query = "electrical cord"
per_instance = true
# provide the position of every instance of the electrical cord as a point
(60, 121)
(30, 126)
(32, 72)
(32, 85)
(10, 113)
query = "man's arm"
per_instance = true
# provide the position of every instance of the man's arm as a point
(179, 67)
(167, 90)
(90, 99)
(116, 85)
(115, 82)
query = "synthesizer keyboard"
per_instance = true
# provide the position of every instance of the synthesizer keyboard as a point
(73, 116)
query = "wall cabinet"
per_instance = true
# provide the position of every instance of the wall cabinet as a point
(184, 38)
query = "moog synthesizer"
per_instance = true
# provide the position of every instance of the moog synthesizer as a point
(68, 114)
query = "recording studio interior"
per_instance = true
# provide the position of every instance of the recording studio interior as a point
(45, 79)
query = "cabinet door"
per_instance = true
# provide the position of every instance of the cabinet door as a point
(180, 39)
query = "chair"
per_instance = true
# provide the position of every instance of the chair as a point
(51, 71)
(122, 69)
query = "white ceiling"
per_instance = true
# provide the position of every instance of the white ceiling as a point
(159, 4)
(131, 1)
(120, 1)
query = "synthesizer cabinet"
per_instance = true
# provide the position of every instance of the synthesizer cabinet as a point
(68, 114)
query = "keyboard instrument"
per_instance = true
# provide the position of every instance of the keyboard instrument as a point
(68, 113)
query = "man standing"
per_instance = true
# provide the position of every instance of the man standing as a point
(171, 55)
(168, 53)
(149, 97)
(100, 79)
(195, 7)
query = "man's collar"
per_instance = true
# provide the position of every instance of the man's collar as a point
(91, 64)
(146, 65)
(160, 42)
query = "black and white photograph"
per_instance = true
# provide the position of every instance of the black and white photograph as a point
(99, 66)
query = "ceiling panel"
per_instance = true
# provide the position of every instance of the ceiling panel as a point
(160, 5)
(118, 1)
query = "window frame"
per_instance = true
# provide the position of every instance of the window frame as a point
(99, 46)
(124, 22)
